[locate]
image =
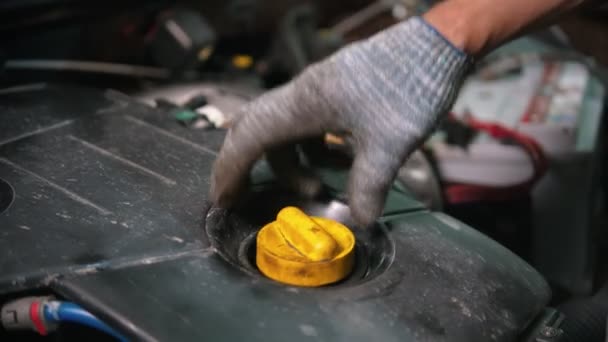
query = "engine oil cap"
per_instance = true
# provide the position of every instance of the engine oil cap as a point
(302, 250)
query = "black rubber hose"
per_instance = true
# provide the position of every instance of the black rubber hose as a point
(586, 318)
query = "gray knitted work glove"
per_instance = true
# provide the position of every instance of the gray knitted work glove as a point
(388, 92)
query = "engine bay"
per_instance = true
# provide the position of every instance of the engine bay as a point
(113, 114)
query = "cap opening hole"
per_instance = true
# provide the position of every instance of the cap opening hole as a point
(7, 195)
(233, 233)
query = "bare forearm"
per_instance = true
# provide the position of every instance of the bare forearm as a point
(478, 26)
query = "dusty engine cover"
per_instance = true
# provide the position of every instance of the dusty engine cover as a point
(102, 202)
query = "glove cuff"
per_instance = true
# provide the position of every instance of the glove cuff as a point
(428, 52)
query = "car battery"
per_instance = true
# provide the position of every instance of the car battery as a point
(558, 103)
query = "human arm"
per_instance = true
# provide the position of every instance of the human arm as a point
(389, 92)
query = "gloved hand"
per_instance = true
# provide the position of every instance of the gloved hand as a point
(388, 92)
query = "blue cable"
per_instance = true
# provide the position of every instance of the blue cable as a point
(58, 312)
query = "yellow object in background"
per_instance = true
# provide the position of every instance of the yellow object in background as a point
(301, 250)
(242, 61)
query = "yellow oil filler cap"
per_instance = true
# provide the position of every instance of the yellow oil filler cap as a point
(301, 250)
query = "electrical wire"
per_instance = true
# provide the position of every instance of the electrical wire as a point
(88, 66)
(462, 193)
(362, 16)
(57, 312)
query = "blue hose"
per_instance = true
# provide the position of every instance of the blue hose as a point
(58, 312)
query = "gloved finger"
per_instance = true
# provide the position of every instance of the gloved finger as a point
(285, 162)
(371, 176)
(271, 120)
